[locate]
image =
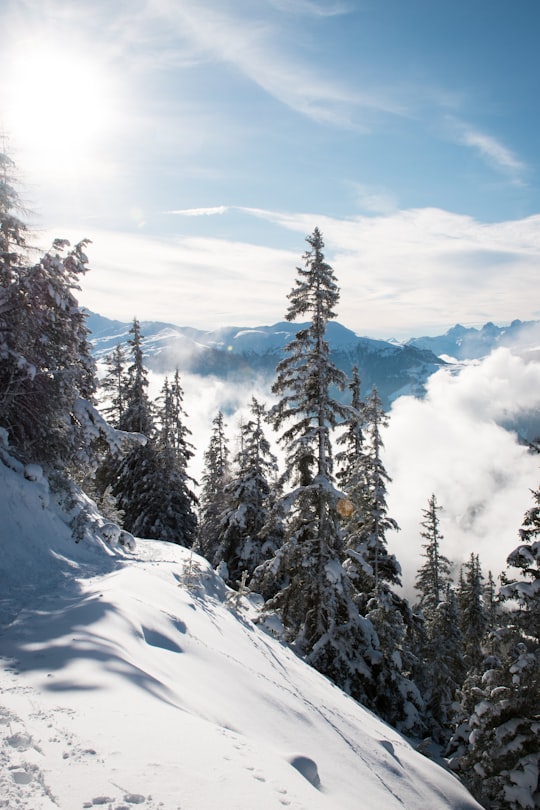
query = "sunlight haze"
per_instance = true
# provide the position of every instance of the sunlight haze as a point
(197, 143)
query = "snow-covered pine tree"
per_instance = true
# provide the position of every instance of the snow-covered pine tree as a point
(442, 641)
(138, 413)
(215, 477)
(315, 600)
(249, 534)
(13, 231)
(443, 667)
(433, 577)
(175, 501)
(370, 565)
(352, 437)
(373, 570)
(473, 619)
(496, 750)
(114, 384)
(136, 478)
(46, 363)
(526, 558)
(502, 764)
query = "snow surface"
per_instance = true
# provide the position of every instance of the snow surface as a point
(132, 678)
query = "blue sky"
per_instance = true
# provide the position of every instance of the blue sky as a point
(197, 142)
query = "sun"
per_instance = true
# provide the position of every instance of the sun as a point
(57, 107)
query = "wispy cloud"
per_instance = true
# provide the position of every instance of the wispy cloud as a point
(265, 52)
(317, 9)
(402, 273)
(200, 212)
(495, 153)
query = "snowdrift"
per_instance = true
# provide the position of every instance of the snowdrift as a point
(137, 678)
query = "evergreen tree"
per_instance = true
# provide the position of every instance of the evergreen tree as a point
(499, 755)
(137, 416)
(373, 570)
(352, 439)
(216, 475)
(315, 600)
(114, 385)
(444, 667)
(526, 558)
(174, 501)
(442, 647)
(13, 231)
(370, 566)
(136, 478)
(473, 620)
(248, 533)
(396, 698)
(501, 761)
(46, 366)
(433, 577)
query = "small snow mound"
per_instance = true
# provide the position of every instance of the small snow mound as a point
(127, 540)
(33, 472)
(307, 767)
(110, 532)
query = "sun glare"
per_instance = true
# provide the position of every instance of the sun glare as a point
(57, 109)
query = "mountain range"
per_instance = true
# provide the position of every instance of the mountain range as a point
(241, 354)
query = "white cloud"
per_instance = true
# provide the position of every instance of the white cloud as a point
(311, 7)
(271, 55)
(452, 444)
(490, 149)
(201, 212)
(402, 274)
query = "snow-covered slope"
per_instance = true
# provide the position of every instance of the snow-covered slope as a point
(132, 678)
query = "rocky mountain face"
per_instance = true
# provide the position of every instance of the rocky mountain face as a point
(241, 354)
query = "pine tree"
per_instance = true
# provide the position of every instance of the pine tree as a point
(433, 577)
(370, 566)
(315, 600)
(499, 755)
(397, 698)
(46, 363)
(137, 416)
(174, 501)
(444, 667)
(216, 475)
(114, 385)
(373, 570)
(13, 231)
(526, 558)
(136, 478)
(473, 620)
(248, 532)
(352, 439)
(443, 664)
(501, 761)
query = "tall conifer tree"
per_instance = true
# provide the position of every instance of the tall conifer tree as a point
(248, 532)
(216, 476)
(315, 599)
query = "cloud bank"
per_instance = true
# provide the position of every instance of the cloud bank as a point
(401, 274)
(453, 444)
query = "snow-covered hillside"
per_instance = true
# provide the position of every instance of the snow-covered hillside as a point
(132, 678)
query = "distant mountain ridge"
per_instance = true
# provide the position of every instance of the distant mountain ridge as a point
(468, 343)
(242, 354)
